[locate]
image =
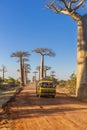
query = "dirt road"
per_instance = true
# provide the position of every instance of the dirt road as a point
(29, 112)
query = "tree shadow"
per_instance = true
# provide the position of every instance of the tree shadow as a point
(28, 105)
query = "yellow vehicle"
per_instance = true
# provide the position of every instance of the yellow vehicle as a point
(46, 88)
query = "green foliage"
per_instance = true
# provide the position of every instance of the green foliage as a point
(62, 83)
(53, 79)
(71, 83)
(8, 84)
(13, 82)
(1, 80)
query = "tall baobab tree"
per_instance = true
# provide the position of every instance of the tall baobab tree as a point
(26, 71)
(72, 9)
(43, 52)
(20, 55)
(24, 67)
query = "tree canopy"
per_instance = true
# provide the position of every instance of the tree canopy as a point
(20, 54)
(68, 7)
(44, 51)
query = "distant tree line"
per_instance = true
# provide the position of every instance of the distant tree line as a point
(24, 68)
(8, 83)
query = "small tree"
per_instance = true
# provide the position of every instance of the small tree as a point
(72, 83)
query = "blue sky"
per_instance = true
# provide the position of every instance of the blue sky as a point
(26, 25)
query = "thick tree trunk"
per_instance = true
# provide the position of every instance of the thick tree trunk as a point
(81, 89)
(21, 72)
(25, 81)
(39, 74)
(42, 67)
(44, 73)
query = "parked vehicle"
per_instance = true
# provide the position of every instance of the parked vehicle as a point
(46, 88)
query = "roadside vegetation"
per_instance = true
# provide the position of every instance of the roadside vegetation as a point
(67, 86)
(8, 83)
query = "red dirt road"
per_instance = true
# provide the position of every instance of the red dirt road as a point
(29, 112)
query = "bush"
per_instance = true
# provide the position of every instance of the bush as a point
(71, 84)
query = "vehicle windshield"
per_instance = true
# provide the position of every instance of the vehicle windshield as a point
(47, 85)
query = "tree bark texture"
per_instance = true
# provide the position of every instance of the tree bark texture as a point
(44, 73)
(42, 67)
(81, 89)
(25, 78)
(21, 72)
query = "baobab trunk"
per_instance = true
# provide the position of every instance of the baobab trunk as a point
(45, 74)
(81, 89)
(42, 67)
(21, 72)
(39, 74)
(25, 78)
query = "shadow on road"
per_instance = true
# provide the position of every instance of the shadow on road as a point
(28, 105)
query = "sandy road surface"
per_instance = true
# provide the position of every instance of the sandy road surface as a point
(29, 112)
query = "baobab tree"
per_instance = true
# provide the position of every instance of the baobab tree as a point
(45, 70)
(43, 52)
(72, 9)
(26, 71)
(20, 55)
(52, 74)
